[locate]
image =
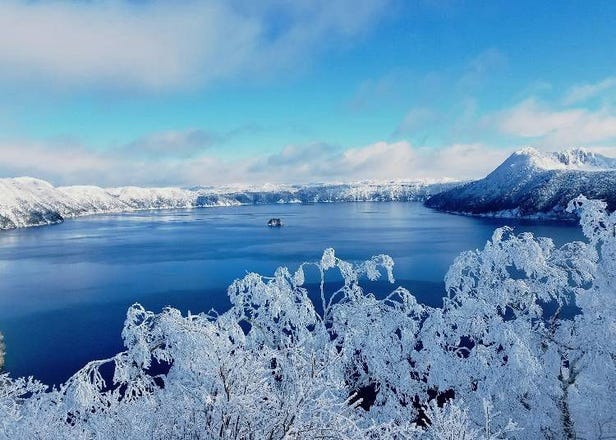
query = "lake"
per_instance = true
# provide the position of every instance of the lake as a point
(64, 289)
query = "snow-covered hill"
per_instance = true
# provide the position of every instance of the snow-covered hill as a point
(534, 184)
(528, 184)
(25, 201)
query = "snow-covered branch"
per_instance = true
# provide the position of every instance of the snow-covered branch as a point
(524, 346)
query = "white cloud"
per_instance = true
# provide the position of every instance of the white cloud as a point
(162, 44)
(462, 161)
(583, 92)
(319, 162)
(557, 128)
(529, 119)
(48, 160)
(397, 160)
(326, 163)
(381, 160)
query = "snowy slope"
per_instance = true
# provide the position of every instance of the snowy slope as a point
(341, 192)
(534, 184)
(25, 201)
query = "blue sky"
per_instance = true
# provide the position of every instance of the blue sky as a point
(220, 92)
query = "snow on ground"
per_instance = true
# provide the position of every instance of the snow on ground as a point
(528, 184)
(533, 184)
(26, 201)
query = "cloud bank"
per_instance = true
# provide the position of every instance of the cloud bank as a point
(169, 44)
(318, 162)
(558, 127)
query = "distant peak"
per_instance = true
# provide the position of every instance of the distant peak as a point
(527, 151)
(573, 158)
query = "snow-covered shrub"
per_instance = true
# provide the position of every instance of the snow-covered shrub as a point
(523, 347)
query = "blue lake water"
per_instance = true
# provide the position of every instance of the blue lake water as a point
(64, 289)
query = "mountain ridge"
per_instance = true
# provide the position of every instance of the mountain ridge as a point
(528, 184)
(533, 184)
(27, 201)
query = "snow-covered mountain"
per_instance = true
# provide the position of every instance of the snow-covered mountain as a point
(528, 184)
(534, 184)
(25, 201)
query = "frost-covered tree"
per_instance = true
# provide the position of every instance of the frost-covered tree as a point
(493, 326)
(588, 343)
(523, 347)
(505, 338)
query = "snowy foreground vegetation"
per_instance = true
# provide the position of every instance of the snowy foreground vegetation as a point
(499, 359)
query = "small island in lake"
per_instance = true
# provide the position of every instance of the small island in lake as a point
(274, 223)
